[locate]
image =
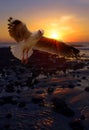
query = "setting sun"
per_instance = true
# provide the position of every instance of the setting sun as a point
(54, 34)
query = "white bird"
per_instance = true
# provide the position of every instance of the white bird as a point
(24, 37)
(28, 41)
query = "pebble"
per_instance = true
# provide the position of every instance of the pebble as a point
(61, 107)
(10, 88)
(76, 125)
(87, 89)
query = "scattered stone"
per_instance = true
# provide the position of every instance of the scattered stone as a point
(7, 126)
(35, 81)
(84, 77)
(61, 107)
(22, 104)
(71, 85)
(76, 125)
(87, 89)
(79, 80)
(9, 100)
(10, 88)
(18, 91)
(37, 100)
(39, 92)
(29, 81)
(82, 117)
(9, 115)
(50, 90)
(1, 102)
(78, 84)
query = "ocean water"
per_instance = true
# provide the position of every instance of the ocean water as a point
(83, 47)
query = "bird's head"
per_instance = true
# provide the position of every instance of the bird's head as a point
(41, 32)
(37, 34)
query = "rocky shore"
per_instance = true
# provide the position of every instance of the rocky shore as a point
(49, 93)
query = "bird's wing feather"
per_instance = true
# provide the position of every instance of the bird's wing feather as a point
(56, 47)
(18, 30)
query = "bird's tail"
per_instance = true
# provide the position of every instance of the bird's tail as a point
(17, 51)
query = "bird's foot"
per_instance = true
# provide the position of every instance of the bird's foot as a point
(24, 61)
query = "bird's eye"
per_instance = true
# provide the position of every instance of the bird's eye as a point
(41, 31)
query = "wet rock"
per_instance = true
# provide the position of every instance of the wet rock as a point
(82, 117)
(35, 81)
(37, 99)
(22, 104)
(39, 92)
(9, 100)
(79, 80)
(78, 84)
(83, 77)
(1, 102)
(71, 85)
(7, 126)
(29, 81)
(61, 107)
(9, 115)
(87, 89)
(18, 91)
(50, 90)
(76, 125)
(17, 83)
(10, 88)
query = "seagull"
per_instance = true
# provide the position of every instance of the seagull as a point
(27, 41)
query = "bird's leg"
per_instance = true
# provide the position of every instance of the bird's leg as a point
(26, 60)
(23, 59)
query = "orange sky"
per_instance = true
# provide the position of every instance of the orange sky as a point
(59, 20)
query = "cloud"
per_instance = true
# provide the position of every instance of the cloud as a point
(69, 19)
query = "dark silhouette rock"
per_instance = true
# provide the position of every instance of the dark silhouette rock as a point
(50, 90)
(22, 104)
(9, 115)
(82, 117)
(84, 78)
(61, 107)
(76, 125)
(87, 89)
(71, 85)
(9, 100)
(37, 99)
(7, 126)
(10, 88)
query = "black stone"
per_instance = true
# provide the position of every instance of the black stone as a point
(22, 104)
(87, 89)
(50, 90)
(61, 107)
(82, 117)
(10, 88)
(37, 100)
(9, 115)
(76, 125)
(9, 100)
(7, 126)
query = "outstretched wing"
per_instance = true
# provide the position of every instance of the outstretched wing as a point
(18, 30)
(56, 47)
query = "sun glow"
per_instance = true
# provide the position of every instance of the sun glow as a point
(54, 35)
